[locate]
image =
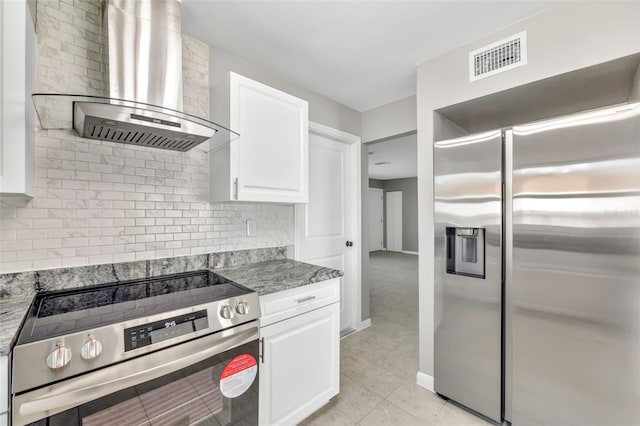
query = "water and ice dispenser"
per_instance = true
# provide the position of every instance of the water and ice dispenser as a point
(465, 251)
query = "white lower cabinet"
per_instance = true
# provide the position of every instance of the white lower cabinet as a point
(4, 390)
(300, 364)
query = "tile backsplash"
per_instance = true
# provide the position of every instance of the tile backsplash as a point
(101, 202)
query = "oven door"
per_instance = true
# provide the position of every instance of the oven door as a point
(212, 380)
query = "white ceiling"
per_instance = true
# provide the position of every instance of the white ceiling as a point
(400, 153)
(362, 54)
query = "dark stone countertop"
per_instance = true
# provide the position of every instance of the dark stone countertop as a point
(277, 275)
(264, 277)
(12, 312)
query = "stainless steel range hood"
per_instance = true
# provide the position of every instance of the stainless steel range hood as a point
(144, 105)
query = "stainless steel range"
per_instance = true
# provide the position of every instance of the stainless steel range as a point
(175, 349)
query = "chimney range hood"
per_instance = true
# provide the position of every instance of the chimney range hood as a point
(144, 107)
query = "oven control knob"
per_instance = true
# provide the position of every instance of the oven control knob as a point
(226, 312)
(60, 357)
(242, 308)
(91, 349)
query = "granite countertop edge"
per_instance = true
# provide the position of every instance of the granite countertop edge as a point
(265, 277)
(12, 313)
(278, 275)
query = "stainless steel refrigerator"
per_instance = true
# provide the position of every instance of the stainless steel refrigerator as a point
(537, 270)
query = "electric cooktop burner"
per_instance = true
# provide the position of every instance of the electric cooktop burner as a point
(64, 312)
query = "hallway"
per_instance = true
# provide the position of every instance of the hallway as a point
(379, 364)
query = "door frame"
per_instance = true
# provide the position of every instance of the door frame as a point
(381, 192)
(393, 225)
(355, 146)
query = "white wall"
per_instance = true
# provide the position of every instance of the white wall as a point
(569, 37)
(364, 232)
(390, 120)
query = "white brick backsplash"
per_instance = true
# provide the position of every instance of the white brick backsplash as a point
(103, 258)
(46, 264)
(124, 257)
(69, 262)
(101, 202)
(8, 234)
(135, 213)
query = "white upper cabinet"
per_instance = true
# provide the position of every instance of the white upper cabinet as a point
(269, 162)
(17, 114)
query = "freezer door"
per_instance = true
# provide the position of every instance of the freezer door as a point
(468, 271)
(576, 270)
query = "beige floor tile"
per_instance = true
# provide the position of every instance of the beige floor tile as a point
(328, 415)
(407, 330)
(385, 342)
(394, 317)
(451, 414)
(368, 348)
(355, 400)
(417, 401)
(351, 364)
(380, 379)
(403, 364)
(357, 338)
(409, 351)
(387, 414)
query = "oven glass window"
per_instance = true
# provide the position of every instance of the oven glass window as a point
(191, 396)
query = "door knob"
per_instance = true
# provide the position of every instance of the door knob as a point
(349, 243)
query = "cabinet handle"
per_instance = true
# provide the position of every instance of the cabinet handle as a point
(262, 350)
(305, 299)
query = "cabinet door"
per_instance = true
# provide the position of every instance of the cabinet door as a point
(270, 158)
(17, 115)
(300, 368)
(4, 390)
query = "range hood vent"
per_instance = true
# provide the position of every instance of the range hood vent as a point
(93, 121)
(144, 106)
(128, 122)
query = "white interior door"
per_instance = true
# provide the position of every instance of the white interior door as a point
(394, 221)
(376, 219)
(327, 228)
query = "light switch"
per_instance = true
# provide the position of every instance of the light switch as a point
(251, 228)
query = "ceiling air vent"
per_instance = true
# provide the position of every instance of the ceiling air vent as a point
(497, 57)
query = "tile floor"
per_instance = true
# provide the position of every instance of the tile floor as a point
(378, 365)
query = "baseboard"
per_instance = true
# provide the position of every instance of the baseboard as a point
(415, 253)
(425, 381)
(364, 324)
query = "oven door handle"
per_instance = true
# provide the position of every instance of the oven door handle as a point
(45, 402)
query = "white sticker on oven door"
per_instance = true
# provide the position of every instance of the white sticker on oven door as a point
(238, 375)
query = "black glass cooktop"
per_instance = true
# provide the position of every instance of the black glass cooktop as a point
(68, 311)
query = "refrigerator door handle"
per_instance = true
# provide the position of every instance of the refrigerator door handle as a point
(507, 222)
